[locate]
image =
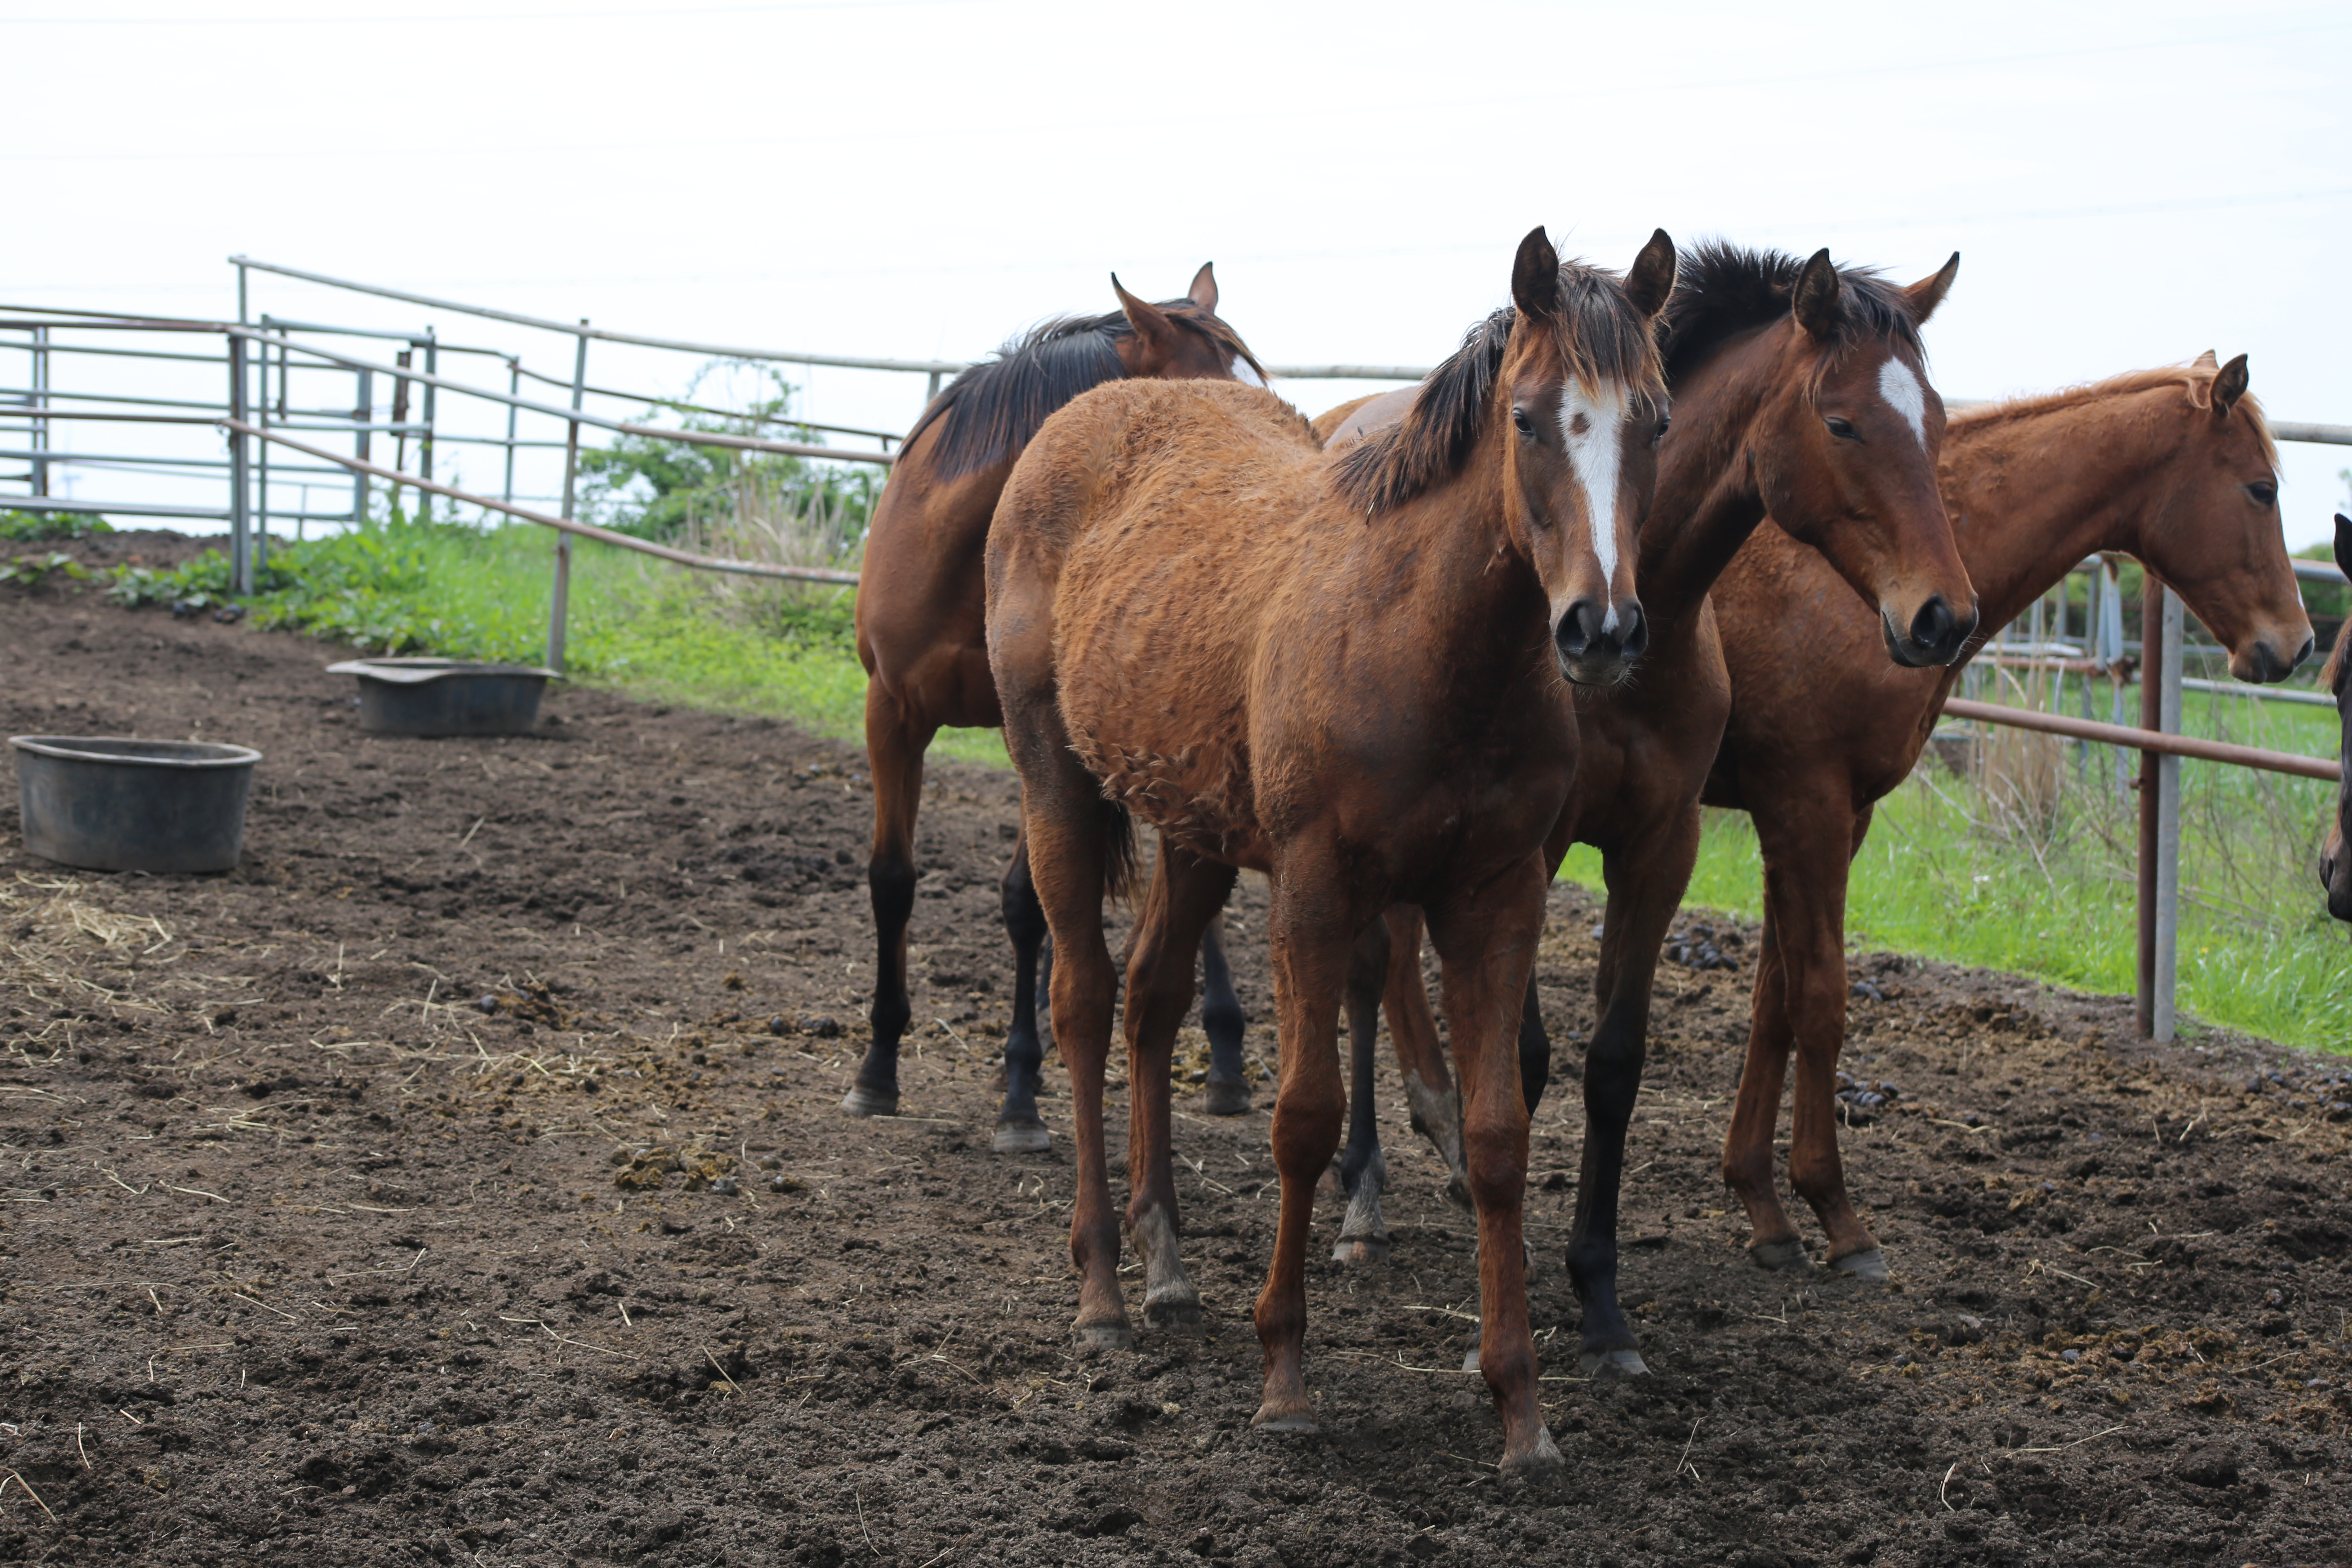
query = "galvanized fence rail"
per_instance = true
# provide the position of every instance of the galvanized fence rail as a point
(257, 422)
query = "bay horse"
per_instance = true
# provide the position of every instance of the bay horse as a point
(921, 634)
(1342, 671)
(2334, 865)
(2174, 466)
(1800, 388)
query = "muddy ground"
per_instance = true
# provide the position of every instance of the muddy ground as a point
(371, 1204)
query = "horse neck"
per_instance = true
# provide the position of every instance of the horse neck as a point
(1707, 502)
(1490, 605)
(2030, 496)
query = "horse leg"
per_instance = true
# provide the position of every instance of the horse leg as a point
(1486, 939)
(1428, 1090)
(1646, 879)
(1019, 1128)
(1535, 1049)
(1363, 1237)
(1185, 894)
(1309, 938)
(1225, 1093)
(895, 739)
(1815, 892)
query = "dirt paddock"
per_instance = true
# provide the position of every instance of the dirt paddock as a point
(460, 1182)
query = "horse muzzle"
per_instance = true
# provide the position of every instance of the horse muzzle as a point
(2261, 663)
(1596, 643)
(1935, 635)
(2336, 875)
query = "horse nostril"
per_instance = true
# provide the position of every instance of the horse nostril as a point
(1632, 629)
(2303, 652)
(1577, 629)
(1932, 624)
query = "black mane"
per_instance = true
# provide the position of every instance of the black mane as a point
(1722, 290)
(1601, 336)
(991, 411)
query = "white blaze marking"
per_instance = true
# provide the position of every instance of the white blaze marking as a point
(1246, 376)
(1595, 452)
(1899, 384)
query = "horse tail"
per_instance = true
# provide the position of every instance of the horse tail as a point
(1118, 848)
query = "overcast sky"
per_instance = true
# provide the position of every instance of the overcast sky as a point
(2127, 184)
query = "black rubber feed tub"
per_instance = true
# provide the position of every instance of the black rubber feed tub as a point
(107, 804)
(446, 695)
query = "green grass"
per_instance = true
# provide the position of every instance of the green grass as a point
(1948, 873)
(637, 626)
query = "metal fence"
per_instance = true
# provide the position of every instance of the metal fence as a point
(280, 383)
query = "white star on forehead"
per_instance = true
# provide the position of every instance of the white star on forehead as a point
(1901, 387)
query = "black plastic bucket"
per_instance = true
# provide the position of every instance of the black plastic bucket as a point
(446, 695)
(107, 804)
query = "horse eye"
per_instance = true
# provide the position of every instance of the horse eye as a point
(1841, 428)
(1525, 425)
(1664, 421)
(2264, 494)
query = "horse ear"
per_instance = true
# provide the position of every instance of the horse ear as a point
(1814, 300)
(1203, 291)
(2228, 386)
(1652, 280)
(2208, 360)
(2344, 544)
(1150, 323)
(1928, 292)
(1535, 276)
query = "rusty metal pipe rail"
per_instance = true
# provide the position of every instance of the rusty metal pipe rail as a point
(584, 530)
(692, 438)
(2326, 769)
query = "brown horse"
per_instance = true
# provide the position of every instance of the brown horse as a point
(2334, 865)
(922, 635)
(1344, 672)
(1800, 389)
(2174, 466)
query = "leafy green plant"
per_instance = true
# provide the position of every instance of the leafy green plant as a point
(31, 527)
(32, 571)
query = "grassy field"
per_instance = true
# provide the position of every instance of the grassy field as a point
(2024, 863)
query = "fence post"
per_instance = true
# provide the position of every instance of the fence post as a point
(240, 544)
(2161, 626)
(363, 415)
(261, 457)
(40, 401)
(563, 595)
(425, 442)
(514, 389)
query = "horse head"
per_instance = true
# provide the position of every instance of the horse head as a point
(1184, 339)
(1845, 443)
(1586, 394)
(2217, 536)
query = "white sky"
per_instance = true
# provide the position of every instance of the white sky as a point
(2128, 184)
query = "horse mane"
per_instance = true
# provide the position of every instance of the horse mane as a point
(990, 412)
(2195, 380)
(1601, 335)
(1722, 290)
(2331, 675)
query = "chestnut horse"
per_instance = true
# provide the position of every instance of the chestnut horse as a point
(1798, 388)
(2334, 865)
(2174, 466)
(921, 637)
(1343, 671)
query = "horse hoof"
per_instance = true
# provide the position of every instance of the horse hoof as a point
(1178, 1317)
(1779, 1255)
(1225, 1098)
(1601, 1364)
(1094, 1339)
(1364, 1253)
(863, 1101)
(1542, 1460)
(1021, 1138)
(1297, 1422)
(1868, 1264)
(1470, 1358)
(1457, 1193)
